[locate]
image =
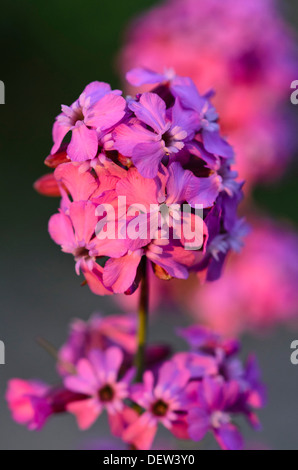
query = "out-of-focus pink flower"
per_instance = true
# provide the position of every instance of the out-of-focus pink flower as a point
(164, 401)
(32, 403)
(103, 332)
(98, 378)
(222, 45)
(98, 333)
(28, 403)
(259, 289)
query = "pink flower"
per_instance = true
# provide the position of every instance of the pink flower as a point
(27, 401)
(163, 402)
(98, 378)
(97, 109)
(101, 333)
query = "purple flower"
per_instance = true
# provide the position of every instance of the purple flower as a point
(211, 412)
(157, 133)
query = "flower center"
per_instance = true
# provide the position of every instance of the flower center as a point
(106, 393)
(173, 139)
(160, 408)
(81, 252)
(77, 116)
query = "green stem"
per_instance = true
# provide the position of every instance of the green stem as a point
(143, 321)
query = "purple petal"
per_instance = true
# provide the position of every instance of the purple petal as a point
(147, 158)
(142, 76)
(228, 437)
(151, 110)
(215, 144)
(199, 424)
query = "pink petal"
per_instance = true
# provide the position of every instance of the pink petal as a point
(94, 279)
(84, 220)
(86, 412)
(59, 132)
(119, 421)
(106, 112)
(80, 185)
(141, 433)
(84, 143)
(137, 189)
(61, 231)
(151, 110)
(119, 274)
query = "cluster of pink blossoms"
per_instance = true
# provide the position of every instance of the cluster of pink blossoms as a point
(190, 394)
(161, 149)
(245, 51)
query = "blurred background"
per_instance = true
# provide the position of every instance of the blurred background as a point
(50, 51)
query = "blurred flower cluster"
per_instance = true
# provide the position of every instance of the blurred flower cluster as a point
(190, 393)
(246, 52)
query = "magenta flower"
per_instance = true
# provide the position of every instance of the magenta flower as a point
(163, 402)
(98, 378)
(97, 109)
(211, 413)
(28, 403)
(32, 403)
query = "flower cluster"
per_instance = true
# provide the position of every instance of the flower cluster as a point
(129, 162)
(190, 394)
(222, 45)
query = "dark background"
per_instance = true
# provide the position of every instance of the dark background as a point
(50, 51)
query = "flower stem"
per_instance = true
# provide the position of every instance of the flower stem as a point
(143, 321)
